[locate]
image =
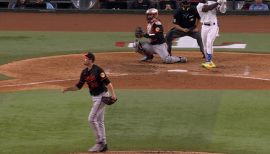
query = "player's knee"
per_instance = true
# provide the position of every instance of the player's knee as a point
(92, 119)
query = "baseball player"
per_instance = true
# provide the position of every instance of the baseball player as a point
(98, 84)
(186, 20)
(156, 44)
(207, 10)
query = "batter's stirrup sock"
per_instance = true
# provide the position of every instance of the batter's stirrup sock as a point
(209, 57)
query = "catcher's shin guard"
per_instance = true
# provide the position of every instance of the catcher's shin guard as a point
(183, 60)
(137, 45)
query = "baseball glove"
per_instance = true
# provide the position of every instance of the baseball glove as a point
(139, 32)
(108, 100)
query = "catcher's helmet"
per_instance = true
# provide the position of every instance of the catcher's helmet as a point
(90, 56)
(151, 14)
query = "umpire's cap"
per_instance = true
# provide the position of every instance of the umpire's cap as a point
(185, 2)
(90, 56)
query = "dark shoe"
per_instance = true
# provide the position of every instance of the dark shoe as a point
(182, 60)
(147, 58)
(103, 148)
(94, 148)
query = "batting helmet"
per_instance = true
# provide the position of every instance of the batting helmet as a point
(151, 14)
(90, 56)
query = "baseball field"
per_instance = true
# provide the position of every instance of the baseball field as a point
(175, 108)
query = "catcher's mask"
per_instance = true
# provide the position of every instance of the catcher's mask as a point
(151, 14)
(185, 4)
(90, 56)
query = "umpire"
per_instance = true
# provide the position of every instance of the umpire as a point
(186, 20)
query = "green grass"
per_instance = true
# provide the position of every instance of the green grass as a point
(256, 42)
(46, 121)
(22, 45)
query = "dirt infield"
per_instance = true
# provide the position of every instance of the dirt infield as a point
(234, 71)
(127, 72)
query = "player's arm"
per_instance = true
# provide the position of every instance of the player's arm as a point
(76, 87)
(209, 7)
(107, 82)
(197, 25)
(157, 32)
(176, 22)
(182, 29)
(73, 88)
(111, 90)
(222, 6)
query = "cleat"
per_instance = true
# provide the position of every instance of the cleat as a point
(147, 58)
(182, 60)
(209, 65)
(95, 148)
(103, 148)
(99, 147)
(213, 64)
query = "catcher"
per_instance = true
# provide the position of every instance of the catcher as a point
(156, 44)
(98, 84)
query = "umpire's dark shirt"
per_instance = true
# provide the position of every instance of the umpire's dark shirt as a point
(186, 18)
(96, 80)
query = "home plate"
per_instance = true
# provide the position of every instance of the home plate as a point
(178, 70)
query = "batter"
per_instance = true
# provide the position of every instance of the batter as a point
(207, 11)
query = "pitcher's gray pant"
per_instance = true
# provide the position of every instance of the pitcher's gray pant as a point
(175, 33)
(161, 50)
(96, 118)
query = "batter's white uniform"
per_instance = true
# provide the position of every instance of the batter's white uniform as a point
(210, 27)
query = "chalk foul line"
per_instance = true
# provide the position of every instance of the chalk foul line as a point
(53, 81)
(36, 83)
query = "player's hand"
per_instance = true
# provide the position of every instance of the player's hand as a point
(221, 1)
(195, 30)
(185, 30)
(114, 97)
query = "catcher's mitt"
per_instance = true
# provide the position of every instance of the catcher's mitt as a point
(139, 32)
(108, 100)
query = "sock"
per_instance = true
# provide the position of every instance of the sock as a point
(209, 57)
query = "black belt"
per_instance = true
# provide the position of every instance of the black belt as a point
(209, 24)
